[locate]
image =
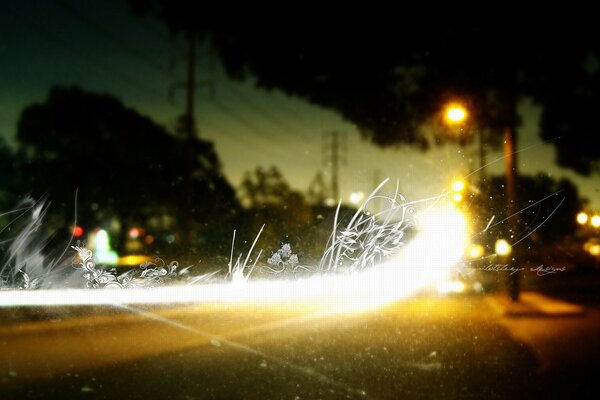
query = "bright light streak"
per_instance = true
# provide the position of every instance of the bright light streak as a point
(451, 287)
(425, 261)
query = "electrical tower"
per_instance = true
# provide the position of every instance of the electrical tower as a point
(334, 155)
(317, 190)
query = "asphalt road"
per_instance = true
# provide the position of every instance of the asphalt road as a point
(423, 348)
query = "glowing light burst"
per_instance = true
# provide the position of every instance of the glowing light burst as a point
(426, 260)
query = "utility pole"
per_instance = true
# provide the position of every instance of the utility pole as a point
(188, 119)
(510, 162)
(334, 154)
(317, 190)
(188, 129)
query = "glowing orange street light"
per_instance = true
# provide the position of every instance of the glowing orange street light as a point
(455, 114)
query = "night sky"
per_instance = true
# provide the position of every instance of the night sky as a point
(102, 47)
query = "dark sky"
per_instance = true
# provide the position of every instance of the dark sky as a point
(100, 46)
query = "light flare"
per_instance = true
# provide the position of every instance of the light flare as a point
(426, 260)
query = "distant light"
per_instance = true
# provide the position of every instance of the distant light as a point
(458, 185)
(475, 251)
(133, 260)
(582, 218)
(594, 249)
(77, 231)
(103, 253)
(133, 246)
(102, 241)
(356, 197)
(457, 197)
(134, 233)
(149, 239)
(502, 247)
(595, 221)
(170, 238)
(450, 287)
(456, 113)
(330, 202)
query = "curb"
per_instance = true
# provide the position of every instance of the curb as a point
(533, 304)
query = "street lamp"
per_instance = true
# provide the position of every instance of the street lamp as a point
(582, 218)
(456, 114)
(502, 247)
(453, 116)
(458, 186)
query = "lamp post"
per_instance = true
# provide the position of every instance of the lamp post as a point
(456, 115)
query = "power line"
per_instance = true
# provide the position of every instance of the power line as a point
(334, 154)
(248, 125)
(158, 67)
(146, 60)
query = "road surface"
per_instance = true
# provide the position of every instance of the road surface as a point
(422, 348)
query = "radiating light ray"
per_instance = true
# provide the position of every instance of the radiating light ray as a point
(489, 223)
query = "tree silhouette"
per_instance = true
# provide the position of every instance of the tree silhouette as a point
(122, 163)
(9, 177)
(270, 200)
(390, 78)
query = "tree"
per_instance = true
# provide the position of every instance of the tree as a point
(546, 206)
(270, 200)
(121, 162)
(390, 77)
(8, 177)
